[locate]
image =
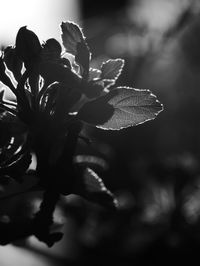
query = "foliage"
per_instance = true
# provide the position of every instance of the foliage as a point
(53, 99)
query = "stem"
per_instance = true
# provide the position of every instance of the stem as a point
(47, 207)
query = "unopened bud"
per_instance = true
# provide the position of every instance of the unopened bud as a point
(27, 45)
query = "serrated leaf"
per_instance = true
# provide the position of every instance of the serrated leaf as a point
(96, 112)
(108, 83)
(74, 43)
(71, 35)
(94, 74)
(93, 189)
(121, 108)
(112, 69)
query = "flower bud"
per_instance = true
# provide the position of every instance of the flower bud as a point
(27, 45)
(52, 48)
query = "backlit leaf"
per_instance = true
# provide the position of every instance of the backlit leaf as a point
(112, 69)
(71, 35)
(121, 108)
(94, 74)
(94, 189)
(74, 43)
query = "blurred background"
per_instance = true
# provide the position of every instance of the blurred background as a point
(154, 169)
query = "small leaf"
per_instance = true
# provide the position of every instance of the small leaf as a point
(94, 74)
(108, 83)
(112, 69)
(93, 189)
(74, 43)
(83, 58)
(121, 108)
(71, 35)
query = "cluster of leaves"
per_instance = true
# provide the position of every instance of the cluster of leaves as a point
(53, 98)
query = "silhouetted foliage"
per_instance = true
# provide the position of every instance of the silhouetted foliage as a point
(53, 99)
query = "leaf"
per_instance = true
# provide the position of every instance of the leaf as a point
(96, 112)
(74, 43)
(83, 58)
(93, 189)
(112, 69)
(121, 108)
(94, 74)
(108, 83)
(71, 35)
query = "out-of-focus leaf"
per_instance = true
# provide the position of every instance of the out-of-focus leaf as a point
(71, 35)
(112, 69)
(91, 161)
(93, 189)
(120, 108)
